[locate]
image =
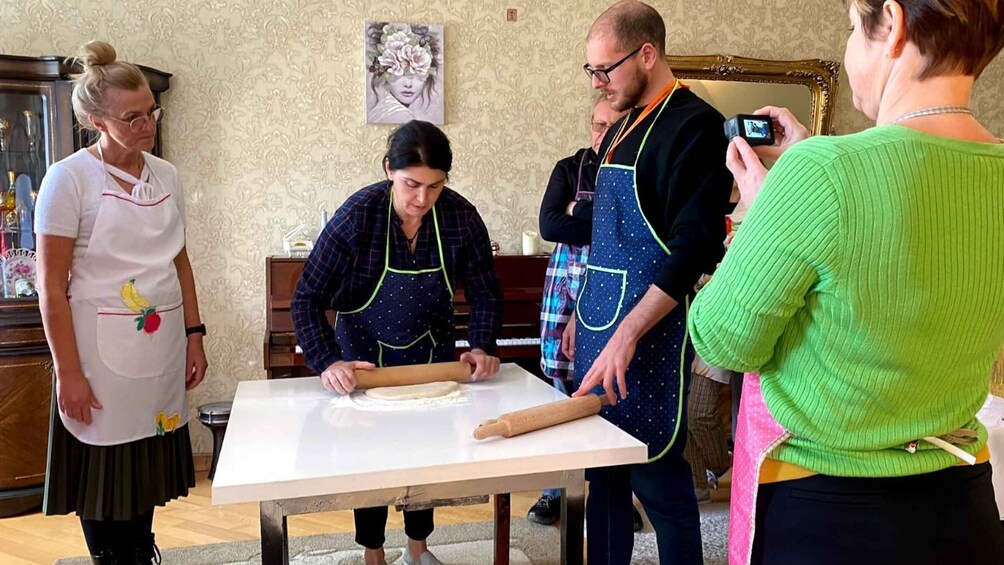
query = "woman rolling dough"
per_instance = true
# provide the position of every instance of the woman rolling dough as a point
(387, 262)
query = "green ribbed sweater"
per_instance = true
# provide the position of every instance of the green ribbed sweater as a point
(866, 285)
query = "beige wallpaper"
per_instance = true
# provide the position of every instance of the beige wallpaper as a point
(265, 115)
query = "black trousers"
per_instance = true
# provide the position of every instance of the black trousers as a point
(946, 517)
(371, 524)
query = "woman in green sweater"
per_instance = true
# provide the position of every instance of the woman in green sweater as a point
(866, 286)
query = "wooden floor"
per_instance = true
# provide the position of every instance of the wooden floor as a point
(38, 539)
(35, 538)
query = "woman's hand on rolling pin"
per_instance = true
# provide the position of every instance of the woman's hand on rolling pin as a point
(75, 396)
(484, 365)
(340, 376)
(568, 338)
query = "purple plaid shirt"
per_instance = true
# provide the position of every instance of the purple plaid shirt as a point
(348, 260)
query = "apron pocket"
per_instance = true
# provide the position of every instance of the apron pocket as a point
(140, 345)
(418, 352)
(595, 309)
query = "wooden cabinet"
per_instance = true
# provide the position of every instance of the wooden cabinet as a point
(25, 397)
(38, 129)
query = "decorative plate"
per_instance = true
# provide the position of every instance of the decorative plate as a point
(19, 273)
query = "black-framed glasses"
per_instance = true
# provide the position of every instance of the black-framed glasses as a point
(156, 114)
(603, 75)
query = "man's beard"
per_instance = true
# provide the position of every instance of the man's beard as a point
(631, 94)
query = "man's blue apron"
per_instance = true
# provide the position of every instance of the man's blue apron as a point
(407, 320)
(625, 257)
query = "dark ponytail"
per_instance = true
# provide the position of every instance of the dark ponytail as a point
(418, 143)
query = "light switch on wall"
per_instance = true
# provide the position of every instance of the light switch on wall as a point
(510, 15)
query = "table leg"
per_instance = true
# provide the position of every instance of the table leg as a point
(573, 505)
(274, 540)
(502, 512)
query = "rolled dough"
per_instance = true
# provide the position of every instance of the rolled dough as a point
(413, 392)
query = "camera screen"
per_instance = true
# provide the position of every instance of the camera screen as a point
(757, 129)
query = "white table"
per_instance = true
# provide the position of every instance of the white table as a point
(291, 448)
(992, 416)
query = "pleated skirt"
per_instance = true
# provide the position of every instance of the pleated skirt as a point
(115, 482)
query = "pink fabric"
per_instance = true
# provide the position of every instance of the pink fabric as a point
(757, 433)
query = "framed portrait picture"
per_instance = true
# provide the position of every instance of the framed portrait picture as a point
(404, 72)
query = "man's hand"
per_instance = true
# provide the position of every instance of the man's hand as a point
(484, 365)
(568, 338)
(611, 364)
(613, 361)
(340, 376)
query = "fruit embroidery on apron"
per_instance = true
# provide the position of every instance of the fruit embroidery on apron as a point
(148, 320)
(167, 423)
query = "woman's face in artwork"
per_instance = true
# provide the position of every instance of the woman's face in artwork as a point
(406, 88)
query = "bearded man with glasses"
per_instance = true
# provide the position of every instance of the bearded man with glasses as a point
(658, 223)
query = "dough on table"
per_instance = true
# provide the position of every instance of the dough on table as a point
(413, 392)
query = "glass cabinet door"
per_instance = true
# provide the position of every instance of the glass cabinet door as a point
(25, 154)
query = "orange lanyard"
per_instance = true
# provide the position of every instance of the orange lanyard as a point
(663, 95)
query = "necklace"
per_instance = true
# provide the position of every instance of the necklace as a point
(411, 240)
(932, 112)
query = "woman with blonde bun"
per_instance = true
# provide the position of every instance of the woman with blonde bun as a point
(120, 312)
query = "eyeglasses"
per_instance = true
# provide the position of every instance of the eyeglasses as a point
(136, 124)
(603, 75)
(600, 127)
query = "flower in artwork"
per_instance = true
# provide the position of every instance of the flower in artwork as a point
(401, 50)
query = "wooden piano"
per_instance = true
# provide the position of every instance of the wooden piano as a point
(521, 278)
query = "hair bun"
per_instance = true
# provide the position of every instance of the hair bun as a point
(96, 54)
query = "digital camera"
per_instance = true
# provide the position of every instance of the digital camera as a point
(756, 130)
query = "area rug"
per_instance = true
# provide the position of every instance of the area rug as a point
(460, 544)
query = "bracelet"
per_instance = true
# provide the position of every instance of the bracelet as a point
(199, 329)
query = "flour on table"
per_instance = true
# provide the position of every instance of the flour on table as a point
(413, 392)
(359, 400)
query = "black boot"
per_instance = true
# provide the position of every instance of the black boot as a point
(143, 552)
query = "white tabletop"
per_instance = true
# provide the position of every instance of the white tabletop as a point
(290, 438)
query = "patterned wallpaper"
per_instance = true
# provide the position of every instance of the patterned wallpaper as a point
(265, 114)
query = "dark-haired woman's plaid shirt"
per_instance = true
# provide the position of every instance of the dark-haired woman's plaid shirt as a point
(348, 260)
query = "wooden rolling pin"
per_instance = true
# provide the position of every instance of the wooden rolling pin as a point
(539, 417)
(413, 375)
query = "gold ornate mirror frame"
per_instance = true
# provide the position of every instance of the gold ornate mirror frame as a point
(819, 76)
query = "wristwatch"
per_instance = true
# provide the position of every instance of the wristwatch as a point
(199, 329)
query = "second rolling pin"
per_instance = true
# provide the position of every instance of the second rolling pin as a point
(412, 375)
(539, 417)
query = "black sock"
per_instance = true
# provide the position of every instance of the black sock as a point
(106, 535)
(102, 535)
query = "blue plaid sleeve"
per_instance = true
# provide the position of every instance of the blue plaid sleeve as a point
(324, 273)
(481, 287)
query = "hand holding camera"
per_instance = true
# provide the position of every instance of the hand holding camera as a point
(772, 130)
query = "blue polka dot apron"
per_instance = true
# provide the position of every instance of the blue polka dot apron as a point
(625, 258)
(408, 320)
